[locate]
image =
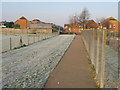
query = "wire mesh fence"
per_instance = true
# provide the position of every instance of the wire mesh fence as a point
(103, 47)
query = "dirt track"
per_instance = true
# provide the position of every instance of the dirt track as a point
(73, 70)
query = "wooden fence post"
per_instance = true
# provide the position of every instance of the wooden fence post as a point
(10, 43)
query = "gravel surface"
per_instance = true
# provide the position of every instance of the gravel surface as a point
(30, 67)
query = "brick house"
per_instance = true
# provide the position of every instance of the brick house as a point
(73, 27)
(111, 24)
(67, 27)
(91, 24)
(78, 26)
(23, 22)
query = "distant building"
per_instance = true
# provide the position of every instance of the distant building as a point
(36, 26)
(78, 26)
(67, 27)
(91, 24)
(75, 28)
(23, 22)
(2, 25)
(111, 24)
(41, 27)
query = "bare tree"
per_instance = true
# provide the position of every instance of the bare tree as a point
(101, 20)
(82, 18)
(73, 20)
(85, 15)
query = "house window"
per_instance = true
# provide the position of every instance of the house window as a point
(66, 26)
(110, 26)
(69, 29)
(114, 26)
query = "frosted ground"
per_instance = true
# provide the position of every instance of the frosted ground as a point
(29, 67)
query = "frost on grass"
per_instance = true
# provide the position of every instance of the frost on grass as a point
(30, 67)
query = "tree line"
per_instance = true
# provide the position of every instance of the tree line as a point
(11, 25)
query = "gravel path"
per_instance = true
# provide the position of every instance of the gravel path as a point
(30, 66)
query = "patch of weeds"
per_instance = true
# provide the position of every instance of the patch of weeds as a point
(89, 60)
(93, 71)
(92, 68)
(23, 45)
(20, 46)
(17, 47)
(98, 86)
(44, 39)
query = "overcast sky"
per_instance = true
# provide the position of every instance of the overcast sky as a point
(56, 12)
